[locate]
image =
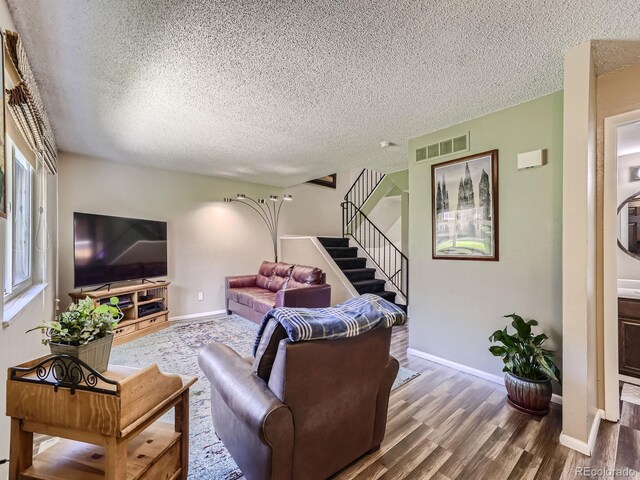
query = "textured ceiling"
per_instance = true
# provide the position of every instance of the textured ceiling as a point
(282, 91)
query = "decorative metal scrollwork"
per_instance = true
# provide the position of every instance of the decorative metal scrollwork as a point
(63, 371)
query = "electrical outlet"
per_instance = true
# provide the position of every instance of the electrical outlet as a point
(200, 296)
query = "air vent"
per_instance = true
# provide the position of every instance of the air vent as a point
(460, 144)
(444, 148)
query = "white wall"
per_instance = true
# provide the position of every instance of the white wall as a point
(628, 267)
(208, 239)
(15, 346)
(316, 210)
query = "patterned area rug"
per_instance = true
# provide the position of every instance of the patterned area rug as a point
(175, 349)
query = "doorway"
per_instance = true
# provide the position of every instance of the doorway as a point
(621, 258)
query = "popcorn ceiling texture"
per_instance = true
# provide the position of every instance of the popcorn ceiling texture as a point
(279, 92)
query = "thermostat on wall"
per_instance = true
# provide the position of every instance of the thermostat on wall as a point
(536, 158)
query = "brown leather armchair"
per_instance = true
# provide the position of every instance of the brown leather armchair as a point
(300, 410)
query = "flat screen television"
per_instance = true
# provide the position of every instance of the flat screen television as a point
(114, 249)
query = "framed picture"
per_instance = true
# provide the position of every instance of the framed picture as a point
(465, 208)
(326, 181)
(3, 160)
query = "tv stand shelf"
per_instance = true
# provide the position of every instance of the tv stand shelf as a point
(134, 324)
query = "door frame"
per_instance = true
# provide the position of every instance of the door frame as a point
(610, 262)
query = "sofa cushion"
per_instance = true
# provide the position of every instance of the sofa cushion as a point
(283, 269)
(245, 295)
(303, 276)
(281, 273)
(268, 348)
(277, 283)
(265, 272)
(264, 303)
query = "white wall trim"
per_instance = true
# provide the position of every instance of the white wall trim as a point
(579, 445)
(197, 315)
(470, 370)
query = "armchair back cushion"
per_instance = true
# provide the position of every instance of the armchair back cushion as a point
(336, 379)
(324, 405)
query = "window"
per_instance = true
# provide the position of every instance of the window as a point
(19, 231)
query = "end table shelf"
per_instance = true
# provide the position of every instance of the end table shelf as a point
(107, 429)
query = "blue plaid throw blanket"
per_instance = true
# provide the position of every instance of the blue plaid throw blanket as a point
(347, 319)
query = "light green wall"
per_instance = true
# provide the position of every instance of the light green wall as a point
(456, 305)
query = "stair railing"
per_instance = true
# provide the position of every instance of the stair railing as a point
(363, 187)
(389, 259)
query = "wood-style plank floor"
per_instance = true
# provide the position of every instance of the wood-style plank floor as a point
(446, 424)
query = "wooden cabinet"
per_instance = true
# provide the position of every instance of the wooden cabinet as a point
(629, 336)
(107, 424)
(145, 307)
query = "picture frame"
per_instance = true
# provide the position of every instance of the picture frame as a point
(465, 228)
(329, 181)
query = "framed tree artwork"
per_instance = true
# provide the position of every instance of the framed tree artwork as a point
(465, 208)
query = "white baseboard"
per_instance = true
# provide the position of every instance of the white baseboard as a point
(586, 448)
(470, 370)
(197, 315)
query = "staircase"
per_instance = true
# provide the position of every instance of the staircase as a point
(355, 268)
(390, 276)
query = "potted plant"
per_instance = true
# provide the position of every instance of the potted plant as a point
(529, 368)
(84, 331)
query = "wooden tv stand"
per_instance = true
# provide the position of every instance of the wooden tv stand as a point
(133, 325)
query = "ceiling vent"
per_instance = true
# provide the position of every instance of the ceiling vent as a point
(445, 147)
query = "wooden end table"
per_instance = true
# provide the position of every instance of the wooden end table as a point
(107, 423)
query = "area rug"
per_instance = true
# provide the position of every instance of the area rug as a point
(175, 349)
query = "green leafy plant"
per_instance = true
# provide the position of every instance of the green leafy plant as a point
(82, 323)
(522, 352)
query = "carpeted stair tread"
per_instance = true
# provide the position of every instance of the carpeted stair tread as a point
(355, 274)
(334, 241)
(391, 296)
(350, 263)
(369, 286)
(342, 252)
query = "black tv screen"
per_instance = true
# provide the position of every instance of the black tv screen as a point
(114, 249)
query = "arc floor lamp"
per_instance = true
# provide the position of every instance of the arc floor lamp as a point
(269, 212)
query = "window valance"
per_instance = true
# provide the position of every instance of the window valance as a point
(26, 107)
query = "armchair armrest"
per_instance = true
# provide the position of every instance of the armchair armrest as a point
(314, 296)
(239, 281)
(246, 394)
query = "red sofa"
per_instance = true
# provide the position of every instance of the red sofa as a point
(276, 285)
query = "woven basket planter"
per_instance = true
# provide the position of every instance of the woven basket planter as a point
(95, 354)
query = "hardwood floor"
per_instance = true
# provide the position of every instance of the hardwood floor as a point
(446, 424)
